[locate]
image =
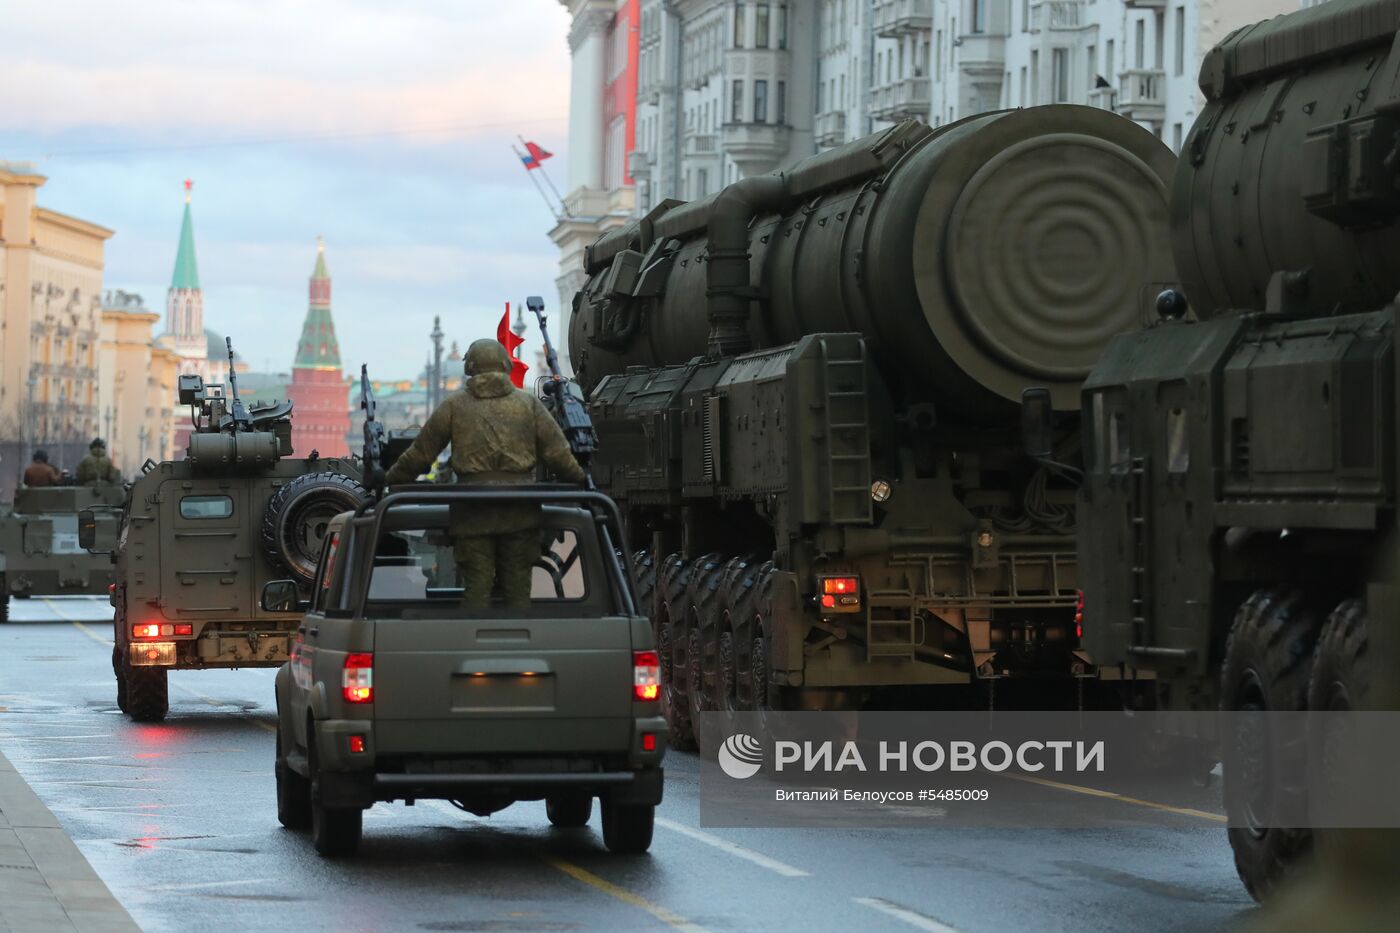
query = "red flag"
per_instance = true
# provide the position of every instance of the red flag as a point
(537, 155)
(512, 342)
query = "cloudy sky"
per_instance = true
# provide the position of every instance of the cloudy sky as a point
(385, 127)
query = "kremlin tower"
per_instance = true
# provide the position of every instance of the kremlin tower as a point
(184, 319)
(320, 418)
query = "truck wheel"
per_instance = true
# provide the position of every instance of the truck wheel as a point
(671, 646)
(1266, 666)
(296, 516)
(644, 573)
(335, 831)
(147, 693)
(4, 599)
(568, 812)
(627, 827)
(1340, 683)
(293, 792)
(121, 680)
(705, 615)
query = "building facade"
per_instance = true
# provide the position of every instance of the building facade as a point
(136, 382)
(51, 268)
(320, 420)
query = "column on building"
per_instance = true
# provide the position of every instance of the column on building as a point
(320, 419)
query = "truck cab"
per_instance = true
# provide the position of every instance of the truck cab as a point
(395, 691)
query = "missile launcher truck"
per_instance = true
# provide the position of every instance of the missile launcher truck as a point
(198, 538)
(808, 390)
(1241, 458)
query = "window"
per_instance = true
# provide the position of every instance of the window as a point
(780, 104)
(760, 26)
(979, 16)
(1025, 15)
(1035, 78)
(1140, 43)
(1181, 40)
(760, 101)
(1059, 64)
(938, 55)
(702, 182)
(1176, 137)
(738, 25)
(1110, 66)
(1093, 59)
(782, 26)
(201, 508)
(736, 103)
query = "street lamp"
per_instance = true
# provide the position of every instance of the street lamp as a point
(63, 421)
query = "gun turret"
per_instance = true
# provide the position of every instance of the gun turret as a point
(238, 413)
(228, 434)
(566, 407)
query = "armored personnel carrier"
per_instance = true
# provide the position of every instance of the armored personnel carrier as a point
(199, 537)
(808, 393)
(39, 550)
(1241, 455)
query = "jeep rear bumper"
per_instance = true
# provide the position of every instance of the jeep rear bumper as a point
(363, 789)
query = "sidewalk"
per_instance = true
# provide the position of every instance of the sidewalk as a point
(45, 883)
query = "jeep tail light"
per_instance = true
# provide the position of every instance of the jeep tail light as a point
(646, 675)
(1079, 616)
(146, 631)
(357, 679)
(185, 629)
(357, 744)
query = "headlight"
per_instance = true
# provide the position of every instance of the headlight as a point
(881, 491)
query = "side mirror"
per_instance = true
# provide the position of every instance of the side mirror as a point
(282, 596)
(98, 530)
(1037, 423)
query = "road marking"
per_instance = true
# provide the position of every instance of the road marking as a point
(915, 919)
(1095, 792)
(51, 760)
(207, 884)
(216, 702)
(621, 894)
(734, 849)
(90, 633)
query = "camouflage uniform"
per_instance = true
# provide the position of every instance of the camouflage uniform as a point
(498, 433)
(97, 469)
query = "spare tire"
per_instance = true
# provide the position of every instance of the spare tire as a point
(295, 520)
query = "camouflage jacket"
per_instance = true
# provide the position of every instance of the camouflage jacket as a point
(98, 471)
(498, 434)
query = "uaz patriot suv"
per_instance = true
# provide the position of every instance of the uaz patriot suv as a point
(394, 691)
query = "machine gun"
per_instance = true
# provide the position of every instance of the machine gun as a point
(373, 454)
(239, 414)
(566, 407)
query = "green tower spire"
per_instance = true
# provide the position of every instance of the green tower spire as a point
(186, 269)
(318, 348)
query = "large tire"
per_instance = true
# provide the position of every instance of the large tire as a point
(1267, 660)
(764, 693)
(627, 828)
(147, 693)
(296, 516)
(739, 593)
(293, 791)
(120, 673)
(705, 614)
(568, 811)
(673, 648)
(644, 573)
(335, 831)
(1340, 683)
(4, 600)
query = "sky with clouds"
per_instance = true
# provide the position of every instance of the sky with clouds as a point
(384, 127)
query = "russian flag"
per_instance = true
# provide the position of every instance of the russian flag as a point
(534, 156)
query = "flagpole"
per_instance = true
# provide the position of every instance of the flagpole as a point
(547, 179)
(547, 203)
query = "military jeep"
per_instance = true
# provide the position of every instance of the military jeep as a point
(395, 691)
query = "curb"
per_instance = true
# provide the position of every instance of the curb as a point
(45, 882)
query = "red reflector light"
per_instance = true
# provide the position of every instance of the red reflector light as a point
(152, 654)
(357, 679)
(145, 631)
(111, 588)
(357, 744)
(184, 629)
(646, 675)
(841, 585)
(1079, 616)
(648, 742)
(828, 601)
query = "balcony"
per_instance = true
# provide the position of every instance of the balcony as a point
(901, 100)
(756, 147)
(1103, 97)
(1142, 95)
(1056, 15)
(894, 18)
(1145, 4)
(830, 129)
(701, 144)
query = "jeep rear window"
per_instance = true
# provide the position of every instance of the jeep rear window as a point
(419, 566)
(206, 507)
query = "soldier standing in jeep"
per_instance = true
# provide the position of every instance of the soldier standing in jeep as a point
(498, 435)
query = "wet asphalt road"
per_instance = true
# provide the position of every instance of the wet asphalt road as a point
(179, 820)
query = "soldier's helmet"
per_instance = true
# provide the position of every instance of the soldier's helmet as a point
(97, 444)
(486, 356)
(41, 456)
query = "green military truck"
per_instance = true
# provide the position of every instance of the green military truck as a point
(197, 538)
(39, 550)
(807, 389)
(394, 691)
(1241, 455)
